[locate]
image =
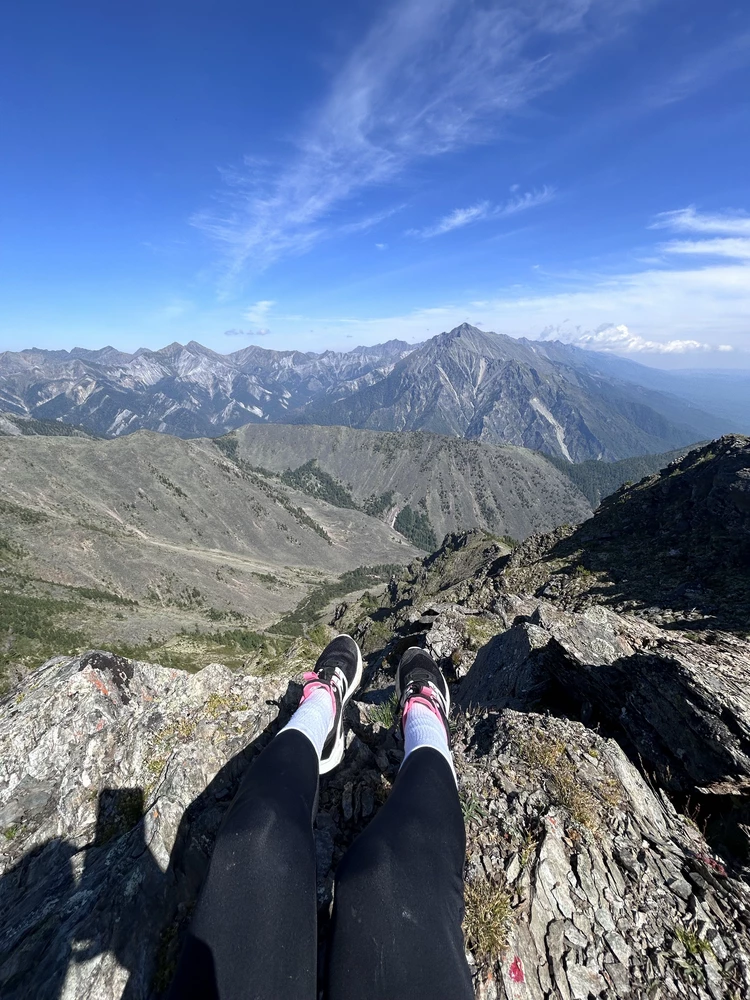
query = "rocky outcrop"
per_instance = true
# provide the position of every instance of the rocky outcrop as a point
(679, 707)
(114, 776)
(583, 879)
(674, 547)
(607, 891)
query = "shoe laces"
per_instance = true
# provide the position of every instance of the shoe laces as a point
(424, 692)
(331, 679)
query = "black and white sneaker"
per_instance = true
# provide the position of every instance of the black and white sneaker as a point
(339, 668)
(420, 681)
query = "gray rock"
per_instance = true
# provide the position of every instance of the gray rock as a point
(680, 887)
(114, 790)
(119, 774)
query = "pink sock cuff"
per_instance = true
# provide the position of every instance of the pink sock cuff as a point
(420, 700)
(312, 683)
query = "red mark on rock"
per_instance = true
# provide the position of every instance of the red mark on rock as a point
(515, 972)
(100, 725)
(98, 684)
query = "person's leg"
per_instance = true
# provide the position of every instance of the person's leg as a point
(398, 901)
(253, 935)
(254, 930)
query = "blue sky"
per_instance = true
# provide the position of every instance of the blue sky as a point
(319, 175)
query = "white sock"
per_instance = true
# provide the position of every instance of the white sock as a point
(314, 718)
(424, 729)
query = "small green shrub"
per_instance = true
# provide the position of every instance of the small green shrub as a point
(385, 713)
(472, 809)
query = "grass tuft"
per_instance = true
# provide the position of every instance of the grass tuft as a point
(487, 919)
(472, 809)
(548, 755)
(386, 713)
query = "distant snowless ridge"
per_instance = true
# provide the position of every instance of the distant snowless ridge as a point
(104, 354)
(719, 360)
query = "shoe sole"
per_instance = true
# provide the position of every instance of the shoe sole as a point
(337, 754)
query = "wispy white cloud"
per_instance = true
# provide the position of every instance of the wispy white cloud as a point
(690, 220)
(456, 219)
(258, 311)
(700, 70)
(731, 246)
(722, 234)
(483, 210)
(369, 222)
(428, 78)
(530, 199)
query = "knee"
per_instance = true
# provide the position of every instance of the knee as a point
(368, 869)
(264, 826)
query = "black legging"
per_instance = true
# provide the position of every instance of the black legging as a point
(396, 929)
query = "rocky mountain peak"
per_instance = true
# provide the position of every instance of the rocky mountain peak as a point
(468, 335)
(491, 387)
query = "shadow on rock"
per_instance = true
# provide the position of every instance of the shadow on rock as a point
(679, 710)
(64, 907)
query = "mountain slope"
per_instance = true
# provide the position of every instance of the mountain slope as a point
(148, 535)
(456, 484)
(597, 480)
(677, 545)
(13, 425)
(724, 392)
(494, 388)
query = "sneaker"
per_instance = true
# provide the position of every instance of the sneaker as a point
(339, 668)
(419, 681)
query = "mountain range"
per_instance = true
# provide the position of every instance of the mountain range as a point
(188, 391)
(544, 395)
